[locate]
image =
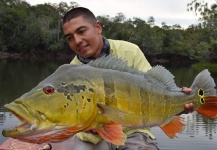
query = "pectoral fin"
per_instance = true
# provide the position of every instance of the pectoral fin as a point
(113, 133)
(126, 119)
(173, 127)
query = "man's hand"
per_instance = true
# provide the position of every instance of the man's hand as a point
(188, 108)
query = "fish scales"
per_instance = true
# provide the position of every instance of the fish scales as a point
(126, 93)
(113, 92)
(122, 90)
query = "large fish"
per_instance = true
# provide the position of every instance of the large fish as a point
(106, 95)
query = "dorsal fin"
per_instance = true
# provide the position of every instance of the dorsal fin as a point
(164, 77)
(114, 63)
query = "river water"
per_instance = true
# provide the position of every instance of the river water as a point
(19, 76)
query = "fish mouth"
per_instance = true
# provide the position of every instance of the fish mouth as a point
(30, 119)
(34, 126)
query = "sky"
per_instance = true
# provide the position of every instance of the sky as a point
(169, 11)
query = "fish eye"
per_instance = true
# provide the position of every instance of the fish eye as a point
(48, 90)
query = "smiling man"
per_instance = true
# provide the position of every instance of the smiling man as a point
(84, 36)
(83, 32)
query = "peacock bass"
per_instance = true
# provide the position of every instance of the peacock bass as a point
(106, 95)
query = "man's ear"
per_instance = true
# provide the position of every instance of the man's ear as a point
(98, 27)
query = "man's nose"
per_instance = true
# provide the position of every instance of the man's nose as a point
(77, 39)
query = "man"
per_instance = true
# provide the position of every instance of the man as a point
(83, 33)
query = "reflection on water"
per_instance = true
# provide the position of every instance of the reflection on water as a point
(9, 120)
(18, 77)
(2, 115)
(198, 134)
(195, 124)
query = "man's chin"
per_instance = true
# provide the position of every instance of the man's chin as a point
(87, 54)
(84, 56)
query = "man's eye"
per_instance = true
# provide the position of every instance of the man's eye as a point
(69, 38)
(81, 31)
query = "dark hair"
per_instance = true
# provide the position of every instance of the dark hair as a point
(77, 12)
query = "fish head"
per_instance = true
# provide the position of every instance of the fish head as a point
(53, 111)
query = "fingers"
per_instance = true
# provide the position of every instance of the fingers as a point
(46, 147)
(189, 108)
(186, 90)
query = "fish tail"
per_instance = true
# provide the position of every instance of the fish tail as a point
(209, 107)
(204, 86)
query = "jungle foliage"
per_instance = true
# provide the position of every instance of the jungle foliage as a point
(36, 30)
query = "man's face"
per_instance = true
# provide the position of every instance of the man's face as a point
(83, 37)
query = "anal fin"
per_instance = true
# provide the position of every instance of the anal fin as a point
(173, 127)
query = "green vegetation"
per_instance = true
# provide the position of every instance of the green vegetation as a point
(36, 31)
(212, 67)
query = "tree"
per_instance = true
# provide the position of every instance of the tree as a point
(13, 22)
(208, 16)
(151, 21)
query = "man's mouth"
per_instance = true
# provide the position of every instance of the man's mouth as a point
(83, 49)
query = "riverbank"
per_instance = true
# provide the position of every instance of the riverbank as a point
(38, 56)
(153, 59)
(174, 60)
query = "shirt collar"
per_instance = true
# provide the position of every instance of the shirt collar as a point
(105, 51)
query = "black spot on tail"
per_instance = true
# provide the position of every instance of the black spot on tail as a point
(202, 100)
(201, 92)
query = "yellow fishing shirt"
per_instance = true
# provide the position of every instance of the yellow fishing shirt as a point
(136, 59)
